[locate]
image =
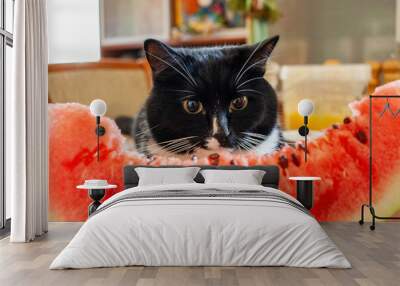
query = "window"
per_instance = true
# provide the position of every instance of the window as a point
(6, 44)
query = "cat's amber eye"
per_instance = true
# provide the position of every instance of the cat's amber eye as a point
(239, 103)
(192, 106)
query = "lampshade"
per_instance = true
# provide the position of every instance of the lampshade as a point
(98, 107)
(73, 31)
(305, 107)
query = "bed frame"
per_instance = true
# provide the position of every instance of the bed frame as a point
(271, 177)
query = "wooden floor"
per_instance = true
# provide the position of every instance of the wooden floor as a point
(375, 257)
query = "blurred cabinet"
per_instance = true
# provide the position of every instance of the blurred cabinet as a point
(130, 22)
(123, 84)
(125, 24)
(330, 87)
(391, 70)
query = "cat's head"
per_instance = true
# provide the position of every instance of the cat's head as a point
(210, 97)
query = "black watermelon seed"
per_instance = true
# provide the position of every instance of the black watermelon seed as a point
(346, 120)
(302, 147)
(283, 161)
(295, 160)
(361, 136)
(335, 126)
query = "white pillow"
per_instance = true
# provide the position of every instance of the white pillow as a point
(247, 177)
(166, 176)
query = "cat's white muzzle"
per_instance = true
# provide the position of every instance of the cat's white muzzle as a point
(212, 144)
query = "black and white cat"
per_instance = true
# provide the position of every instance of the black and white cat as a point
(208, 98)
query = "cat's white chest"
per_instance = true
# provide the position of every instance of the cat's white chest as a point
(270, 144)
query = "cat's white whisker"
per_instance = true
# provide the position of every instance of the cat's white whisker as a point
(180, 148)
(255, 134)
(177, 143)
(248, 59)
(251, 134)
(174, 144)
(190, 148)
(155, 149)
(252, 140)
(189, 74)
(188, 93)
(184, 68)
(250, 80)
(182, 90)
(167, 144)
(250, 90)
(238, 143)
(146, 130)
(170, 65)
(248, 144)
(176, 140)
(258, 136)
(249, 67)
(242, 144)
(170, 149)
(245, 147)
(195, 148)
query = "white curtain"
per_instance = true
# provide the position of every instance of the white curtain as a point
(26, 123)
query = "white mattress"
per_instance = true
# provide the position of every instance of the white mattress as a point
(189, 231)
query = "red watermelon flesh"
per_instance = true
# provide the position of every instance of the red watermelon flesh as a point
(73, 149)
(339, 157)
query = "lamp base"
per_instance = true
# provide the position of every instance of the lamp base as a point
(305, 193)
(96, 195)
(100, 130)
(303, 130)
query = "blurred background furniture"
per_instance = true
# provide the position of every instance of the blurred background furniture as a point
(313, 50)
(177, 22)
(73, 31)
(330, 87)
(123, 84)
(376, 69)
(391, 70)
(211, 22)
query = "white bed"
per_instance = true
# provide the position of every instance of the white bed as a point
(224, 225)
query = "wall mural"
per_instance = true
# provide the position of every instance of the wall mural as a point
(192, 119)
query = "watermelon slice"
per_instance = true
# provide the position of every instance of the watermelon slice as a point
(72, 152)
(340, 157)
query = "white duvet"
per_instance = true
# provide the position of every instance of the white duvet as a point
(192, 231)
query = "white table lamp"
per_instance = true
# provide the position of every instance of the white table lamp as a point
(305, 109)
(98, 108)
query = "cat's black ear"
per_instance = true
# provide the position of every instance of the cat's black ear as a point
(159, 55)
(260, 52)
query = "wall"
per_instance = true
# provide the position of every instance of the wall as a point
(312, 31)
(348, 30)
